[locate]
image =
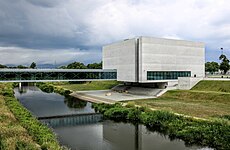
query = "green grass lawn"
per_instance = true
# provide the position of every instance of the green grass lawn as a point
(207, 99)
(94, 85)
(217, 86)
(12, 134)
(19, 129)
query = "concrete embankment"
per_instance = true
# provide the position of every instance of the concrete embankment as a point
(90, 98)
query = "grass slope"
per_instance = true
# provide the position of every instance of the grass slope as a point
(12, 134)
(18, 128)
(94, 85)
(205, 100)
(217, 86)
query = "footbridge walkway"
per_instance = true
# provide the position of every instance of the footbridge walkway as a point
(49, 75)
(71, 119)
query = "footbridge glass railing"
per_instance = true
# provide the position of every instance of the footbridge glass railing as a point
(27, 75)
(70, 120)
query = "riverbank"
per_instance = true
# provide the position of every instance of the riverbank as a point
(50, 88)
(213, 105)
(214, 134)
(19, 129)
(67, 89)
(208, 99)
(86, 86)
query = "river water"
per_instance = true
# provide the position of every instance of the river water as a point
(84, 132)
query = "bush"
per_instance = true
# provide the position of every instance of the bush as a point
(130, 105)
(134, 115)
(101, 107)
(6, 91)
(46, 87)
(117, 113)
(49, 88)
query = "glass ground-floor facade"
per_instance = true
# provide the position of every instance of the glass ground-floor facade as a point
(21, 75)
(167, 75)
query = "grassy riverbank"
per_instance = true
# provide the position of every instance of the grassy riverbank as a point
(216, 86)
(94, 85)
(18, 128)
(213, 134)
(49, 88)
(197, 102)
(207, 99)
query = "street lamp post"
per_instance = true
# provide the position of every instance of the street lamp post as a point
(222, 50)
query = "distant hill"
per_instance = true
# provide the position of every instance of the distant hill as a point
(39, 66)
(48, 66)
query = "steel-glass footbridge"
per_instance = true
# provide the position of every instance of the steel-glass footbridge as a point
(49, 75)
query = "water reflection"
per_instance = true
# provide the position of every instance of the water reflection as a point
(108, 135)
(85, 133)
(73, 102)
(24, 87)
(72, 120)
(50, 104)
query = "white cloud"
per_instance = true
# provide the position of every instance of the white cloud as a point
(15, 55)
(190, 19)
(89, 24)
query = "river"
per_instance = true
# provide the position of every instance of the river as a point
(86, 132)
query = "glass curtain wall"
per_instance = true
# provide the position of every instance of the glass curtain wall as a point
(167, 75)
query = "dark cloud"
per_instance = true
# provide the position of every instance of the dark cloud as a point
(27, 25)
(46, 3)
(87, 25)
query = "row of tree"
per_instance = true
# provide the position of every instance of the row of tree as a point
(224, 66)
(74, 65)
(79, 65)
(32, 66)
(210, 67)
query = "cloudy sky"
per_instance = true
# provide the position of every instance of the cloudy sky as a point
(63, 31)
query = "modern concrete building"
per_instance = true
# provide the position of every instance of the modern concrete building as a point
(154, 60)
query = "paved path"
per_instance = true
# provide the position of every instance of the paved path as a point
(100, 96)
(90, 98)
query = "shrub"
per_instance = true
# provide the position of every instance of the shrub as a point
(49, 88)
(134, 115)
(117, 113)
(130, 105)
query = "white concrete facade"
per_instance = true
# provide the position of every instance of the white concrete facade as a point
(133, 58)
(186, 83)
(121, 56)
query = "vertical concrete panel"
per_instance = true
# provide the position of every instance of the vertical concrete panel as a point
(121, 56)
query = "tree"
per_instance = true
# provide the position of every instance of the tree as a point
(33, 65)
(224, 65)
(211, 67)
(95, 66)
(3, 66)
(76, 65)
(62, 67)
(79, 65)
(21, 67)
